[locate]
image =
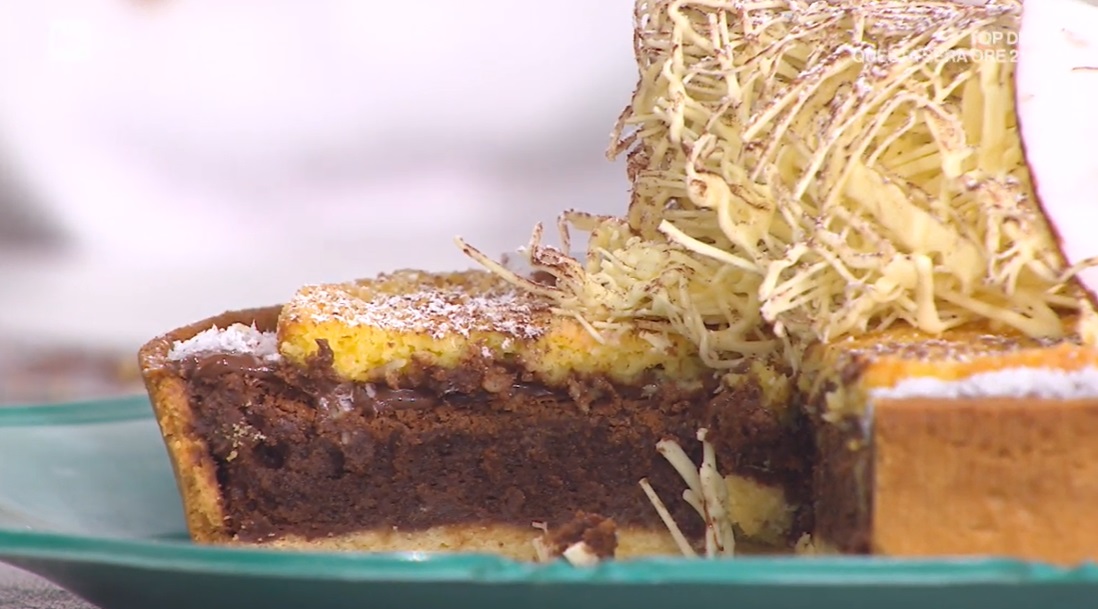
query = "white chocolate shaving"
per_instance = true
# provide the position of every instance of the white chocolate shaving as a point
(668, 520)
(807, 171)
(706, 492)
(541, 550)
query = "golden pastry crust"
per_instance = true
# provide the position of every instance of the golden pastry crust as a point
(974, 442)
(194, 468)
(989, 476)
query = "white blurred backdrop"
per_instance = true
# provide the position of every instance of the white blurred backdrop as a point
(164, 160)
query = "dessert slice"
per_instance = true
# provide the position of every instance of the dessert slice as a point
(453, 412)
(977, 442)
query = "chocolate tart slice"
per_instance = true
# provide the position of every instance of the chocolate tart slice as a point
(448, 412)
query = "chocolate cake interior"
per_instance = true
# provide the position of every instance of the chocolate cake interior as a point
(298, 451)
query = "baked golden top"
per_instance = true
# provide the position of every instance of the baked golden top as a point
(971, 361)
(380, 326)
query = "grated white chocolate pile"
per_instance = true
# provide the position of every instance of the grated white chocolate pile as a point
(808, 171)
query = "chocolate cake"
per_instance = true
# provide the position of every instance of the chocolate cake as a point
(452, 412)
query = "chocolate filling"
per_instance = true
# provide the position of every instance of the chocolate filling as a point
(843, 491)
(300, 451)
(842, 476)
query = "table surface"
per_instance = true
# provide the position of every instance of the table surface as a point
(21, 590)
(55, 373)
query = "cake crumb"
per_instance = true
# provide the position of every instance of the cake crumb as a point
(583, 541)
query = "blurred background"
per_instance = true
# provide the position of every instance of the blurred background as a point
(164, 160)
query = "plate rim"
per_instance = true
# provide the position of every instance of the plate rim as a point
(20, 546)
(416, 567)
(81, 412)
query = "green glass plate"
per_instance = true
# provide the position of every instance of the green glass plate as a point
(87, 500)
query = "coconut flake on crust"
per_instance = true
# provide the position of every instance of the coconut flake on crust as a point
(1037, 383)
(236, 338)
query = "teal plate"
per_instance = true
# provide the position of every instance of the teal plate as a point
(87, 500)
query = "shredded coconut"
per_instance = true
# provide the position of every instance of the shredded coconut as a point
(237, 338)
(338, 403)
(1044, 383)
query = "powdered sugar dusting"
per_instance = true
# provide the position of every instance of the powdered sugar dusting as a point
(237, 338)
(1041, 383)
(437, 310)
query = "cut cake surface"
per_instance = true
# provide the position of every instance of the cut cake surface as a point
(444, 412)
(427, 436)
